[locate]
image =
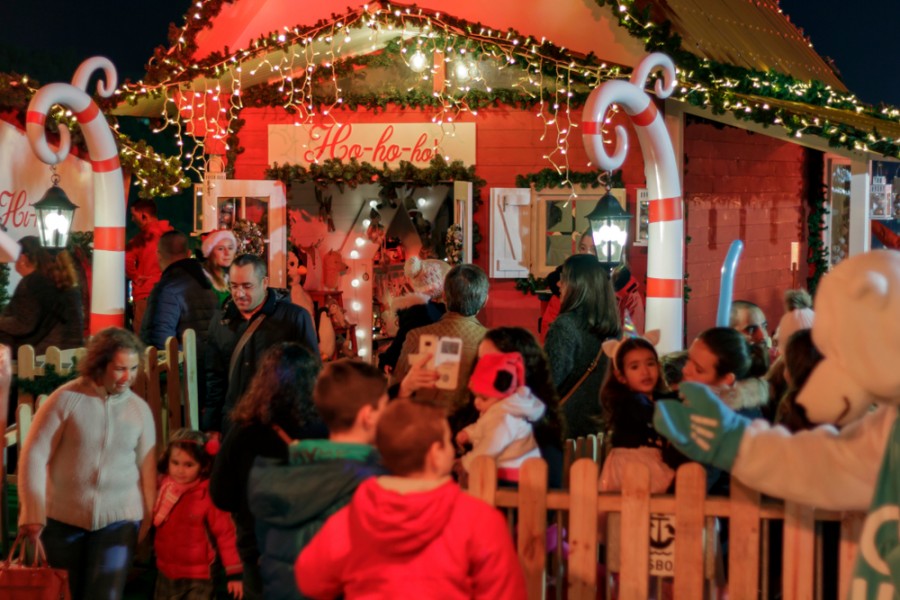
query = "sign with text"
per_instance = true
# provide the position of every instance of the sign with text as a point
(374, 143)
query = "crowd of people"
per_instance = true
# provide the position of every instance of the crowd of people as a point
(312, 481)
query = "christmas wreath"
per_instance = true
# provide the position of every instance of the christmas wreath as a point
(250, 238)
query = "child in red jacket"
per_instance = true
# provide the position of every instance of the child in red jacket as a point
(185, 520)
(415, 534)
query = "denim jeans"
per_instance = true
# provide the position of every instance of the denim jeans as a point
(97, 561)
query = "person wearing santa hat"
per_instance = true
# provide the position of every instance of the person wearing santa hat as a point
(219, 249)
(423, 307)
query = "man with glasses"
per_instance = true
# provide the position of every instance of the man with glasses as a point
(251, 321)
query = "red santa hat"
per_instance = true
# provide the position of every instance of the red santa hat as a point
(498, 375)
(214, 237)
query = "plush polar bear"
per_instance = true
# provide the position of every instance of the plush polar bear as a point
(857, 329)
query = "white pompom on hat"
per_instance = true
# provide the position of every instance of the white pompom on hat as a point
(792, 322)
(214, 237)
(426, 276)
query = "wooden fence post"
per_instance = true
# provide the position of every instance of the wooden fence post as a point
(173, 387)
(635, 550)
(483, 479)
(151, 367)
(798, 572)
(26, 368)
(743, 545)
(583, 530)
(190, 390)
(532, 528)
(851, 529)
(690, 496)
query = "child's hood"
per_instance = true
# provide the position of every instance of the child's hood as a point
(294, 494)
(523, 404)
(397, 523)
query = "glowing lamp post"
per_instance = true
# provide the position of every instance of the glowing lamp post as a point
(609, 229)
(55, 213)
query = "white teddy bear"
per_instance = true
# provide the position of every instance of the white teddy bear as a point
(857, 329)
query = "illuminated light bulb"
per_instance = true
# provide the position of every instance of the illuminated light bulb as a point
(366, 222)
(362, 352)
(360, 242)
(355, 283)
(418, 62)
(354, 254)
(360, 333)
(355, 305)
(373, 204)
(462, 71)
(421, 202)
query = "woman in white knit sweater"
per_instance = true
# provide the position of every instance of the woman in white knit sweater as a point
(87, 475)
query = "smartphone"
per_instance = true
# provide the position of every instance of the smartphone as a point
(447, 359)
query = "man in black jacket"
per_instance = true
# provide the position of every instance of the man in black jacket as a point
(183, 297)
(232, 353)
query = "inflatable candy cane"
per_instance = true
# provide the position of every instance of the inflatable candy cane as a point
(108, 288)
(665, 246)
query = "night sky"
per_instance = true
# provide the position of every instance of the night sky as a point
(861, 36)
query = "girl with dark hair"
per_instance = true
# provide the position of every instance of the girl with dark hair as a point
(628, 395)
(588, 316)
(186, 520)
(276, 406)
(45, 309)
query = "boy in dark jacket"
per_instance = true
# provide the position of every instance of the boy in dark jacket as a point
(290, 502)
(415, 534)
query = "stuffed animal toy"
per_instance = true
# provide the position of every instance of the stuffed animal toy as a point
(333, 267)
(857, 329)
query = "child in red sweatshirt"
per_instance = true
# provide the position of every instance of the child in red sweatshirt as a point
(414, 534)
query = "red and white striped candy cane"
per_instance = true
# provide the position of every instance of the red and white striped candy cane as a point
(665, 246)
(108, 287)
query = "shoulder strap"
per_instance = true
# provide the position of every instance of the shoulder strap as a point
(248, 333)
(288, 440)
(584, 376)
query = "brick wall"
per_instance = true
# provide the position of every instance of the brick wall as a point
(740, 185)
(508, 143)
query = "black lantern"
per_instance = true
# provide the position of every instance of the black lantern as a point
(609, 228)
(55, 213)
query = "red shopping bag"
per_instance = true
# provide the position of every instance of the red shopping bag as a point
(37, 581)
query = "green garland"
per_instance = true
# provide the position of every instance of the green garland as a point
(354, 173)
(4, 285)
(717, 86)
(531, 285)
(817, 205)
(156, 175)
(549, 178)
(46, 383)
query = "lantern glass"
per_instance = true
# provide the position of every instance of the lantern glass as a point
(609, 229)
(55, 213)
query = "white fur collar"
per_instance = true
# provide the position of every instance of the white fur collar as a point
(408, 300)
